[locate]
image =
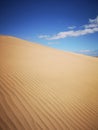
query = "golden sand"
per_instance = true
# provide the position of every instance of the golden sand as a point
(46, 89)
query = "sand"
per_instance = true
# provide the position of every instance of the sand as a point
(46, 89)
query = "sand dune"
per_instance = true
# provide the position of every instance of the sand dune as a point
(46, 89)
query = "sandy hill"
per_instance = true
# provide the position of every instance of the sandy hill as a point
(46, 89)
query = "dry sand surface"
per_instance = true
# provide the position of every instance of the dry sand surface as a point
(46, 89)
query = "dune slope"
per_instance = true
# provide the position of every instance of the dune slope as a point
(46, 89)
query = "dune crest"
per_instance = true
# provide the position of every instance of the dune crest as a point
(46, 89)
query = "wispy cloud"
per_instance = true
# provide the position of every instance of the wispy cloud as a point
(93, 23)
(53, 43)
(89, 28)
(89, 52)
(71, 27)
(43, 36)
(85, 51)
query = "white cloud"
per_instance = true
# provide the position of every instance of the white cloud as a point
(94, 20)
(89, 28)
(83, 51)
(93, 23)
(72, 33)
(89, 52)
(71, 27)
(53, 43)
(43, 36)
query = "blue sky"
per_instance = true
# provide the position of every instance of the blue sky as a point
(69, 25)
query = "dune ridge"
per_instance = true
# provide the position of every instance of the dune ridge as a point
(46, 89)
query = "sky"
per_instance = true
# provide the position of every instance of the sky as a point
(69, 25)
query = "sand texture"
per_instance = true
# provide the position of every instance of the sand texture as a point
(46, 89)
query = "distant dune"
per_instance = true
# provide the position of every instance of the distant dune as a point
(46, 89)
